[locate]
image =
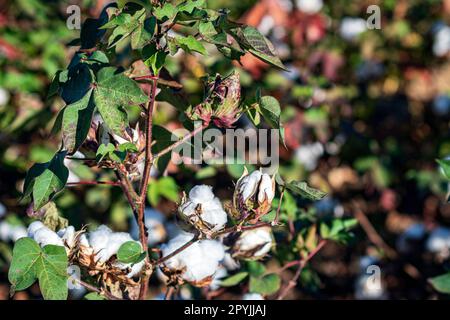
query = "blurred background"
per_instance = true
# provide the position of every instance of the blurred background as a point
(366, 115)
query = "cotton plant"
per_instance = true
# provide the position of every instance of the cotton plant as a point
(209, 234)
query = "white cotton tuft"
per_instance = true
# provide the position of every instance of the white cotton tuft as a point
(351, 28)
(309, 154)
(134, 269)
(211, 208)
(217, 278)
(4, 97)
(33, 227)
(252, 296)
(441, 44)
(68, 236)
(44, 236)
(10, 232)
(310, 6)
(249, 184)
(439, 241)
(266, 189)
(199, 261)
(251, 239)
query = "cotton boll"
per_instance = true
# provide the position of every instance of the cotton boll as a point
(351, 28)
(4, 97)
(217, 278)
(441, 45)
(33, 227)
(134, 268)
(230, 263)
(115, 241)
(250, 184)
(68, 236)
(44, 236)
(9, 232)
(84, 240)
(211, 215)
(266, 189)
(310, 6)
(199, 261)
(439, 241)
(309, 154)
(201, 193)
(252, 296)
(2, 210)
(18, 232)
(253, 244)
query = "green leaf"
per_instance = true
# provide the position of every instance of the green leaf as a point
(75, 122)
(163, 138)
(166, 11)
(44, 180)
(94, 296)
(143, 33)
(190, 44)
(130, 252)
(189, 5)
(258, 45)
(166, 187)
(271, 111)
(445, 167)
(266, 285)
(114, 91)
(256, 269)
(441, 283)
(48, 265)
(126, 25)
(234, 279)
(302, 189)
(153, 57)
(338, 229)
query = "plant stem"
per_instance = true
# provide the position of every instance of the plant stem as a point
(106, 294)
(277, 216)
(173, 253)
(241, 228)
(85, 182)
(182, 140)
(302, 263)
(143, 236)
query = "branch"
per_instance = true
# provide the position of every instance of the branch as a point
(85, 182)
(237, 228)
(277, 216)
(143, 236)
(177, 251)
(182, 140)
(302, 263)
(104, 293)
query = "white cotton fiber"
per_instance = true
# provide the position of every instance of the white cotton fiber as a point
(44, 236)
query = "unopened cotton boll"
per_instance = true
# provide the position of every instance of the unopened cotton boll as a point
(203, 210)
(252, 296)
(253, 195)
(310, 6)
(351, 28)
(253, 244)
(309, 154)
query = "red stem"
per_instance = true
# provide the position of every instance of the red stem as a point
(85, 182)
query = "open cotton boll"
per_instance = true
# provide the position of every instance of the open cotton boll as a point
(10, 232)
(259, 239)
(351, 28)
(212, 215)
(441, 44)
(199, 261)
(249, 184)
(230, 263)
(68, 236)
(439, 241)
(252, 296)
(44, 236)
(309, 154)
(4, 96)
(134, 268)
(33, 227)
(115, 241)
(266, 189)
(217, 278)
(310, 6)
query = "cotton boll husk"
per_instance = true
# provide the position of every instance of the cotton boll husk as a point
(33, 227)
(252, 296)
(44, 236)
